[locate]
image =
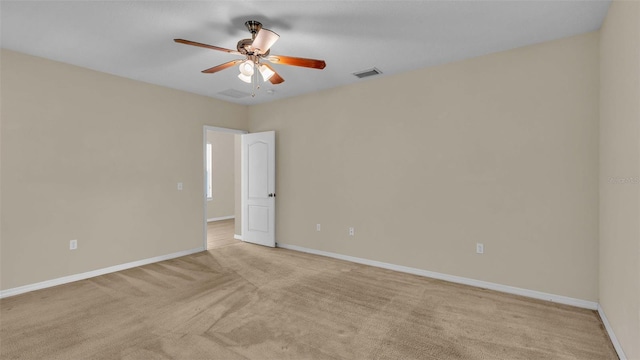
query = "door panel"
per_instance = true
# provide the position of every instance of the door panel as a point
(258, 218)
(258, 167)
(258, 188)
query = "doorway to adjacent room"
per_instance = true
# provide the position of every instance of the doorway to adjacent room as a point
(222, 212)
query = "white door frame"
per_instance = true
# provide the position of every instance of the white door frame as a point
(204, 173)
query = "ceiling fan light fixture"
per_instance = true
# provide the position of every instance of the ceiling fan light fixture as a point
(246, 68)
(255, 49)
(245, 78)
(266, 72)
(264, 40)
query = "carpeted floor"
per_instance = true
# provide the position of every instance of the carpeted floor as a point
(243, 301)
(220, 233)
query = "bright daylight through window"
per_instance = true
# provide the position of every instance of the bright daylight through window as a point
(209, 167)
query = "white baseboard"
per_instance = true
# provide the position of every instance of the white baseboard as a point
(592, 305)
(221, 218)
(94, 273)
(612, 336)
(237, 237)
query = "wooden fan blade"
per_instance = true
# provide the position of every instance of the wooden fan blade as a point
(264, 40)
(296, 61)
(221, 66)
(187, 42)
(275, 78)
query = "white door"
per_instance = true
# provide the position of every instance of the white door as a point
(259, 188)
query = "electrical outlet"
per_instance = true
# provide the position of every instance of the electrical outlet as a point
(179, 186)
(479, 248)
(317, 227)
(73, 244)
(352, 231)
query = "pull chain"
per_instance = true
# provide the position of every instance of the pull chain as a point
(255, 81)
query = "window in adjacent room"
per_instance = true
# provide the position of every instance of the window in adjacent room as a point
(209, 170)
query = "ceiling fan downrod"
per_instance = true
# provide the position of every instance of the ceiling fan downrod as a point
(253, 27)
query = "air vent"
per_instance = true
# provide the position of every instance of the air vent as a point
(367, 73)
(234, 93)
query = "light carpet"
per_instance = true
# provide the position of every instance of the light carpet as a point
(244, 301)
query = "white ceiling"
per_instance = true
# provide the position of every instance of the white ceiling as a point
(134, 39)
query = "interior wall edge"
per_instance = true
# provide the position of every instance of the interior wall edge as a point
(612, 335)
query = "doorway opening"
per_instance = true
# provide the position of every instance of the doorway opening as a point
(222, 175)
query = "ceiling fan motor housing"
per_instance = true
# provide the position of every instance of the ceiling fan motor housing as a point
(245, 45)
(245, 48)
(253, 27)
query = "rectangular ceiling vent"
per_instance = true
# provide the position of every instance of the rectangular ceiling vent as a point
(234, 93)
(367, 73)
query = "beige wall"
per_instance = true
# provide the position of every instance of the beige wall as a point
(620, 173)
(501, 149)
(95, 157)
(223, 175)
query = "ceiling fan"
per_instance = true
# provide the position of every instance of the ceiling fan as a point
(255, 50)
